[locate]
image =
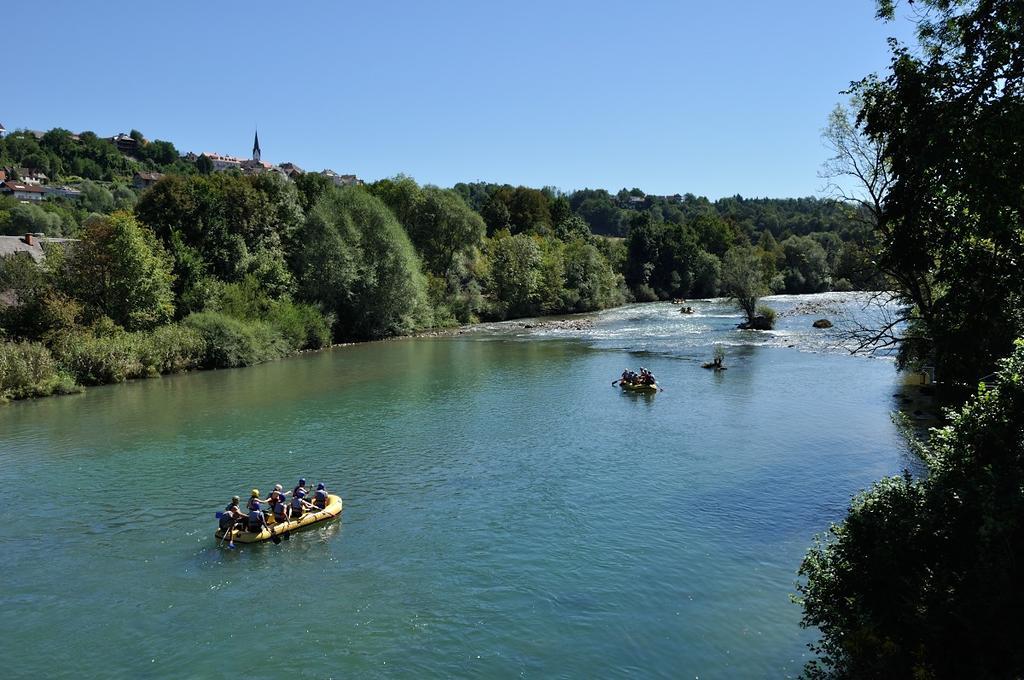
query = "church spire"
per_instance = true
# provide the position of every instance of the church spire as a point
(256, 146)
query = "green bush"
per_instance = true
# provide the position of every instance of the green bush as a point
(231, 342)
(768, 313)
(100, 359)
(171, 349)
(922, 578)
(644, 293)
(302, 326)
(29, 370)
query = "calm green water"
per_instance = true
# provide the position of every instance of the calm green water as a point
(508, 512)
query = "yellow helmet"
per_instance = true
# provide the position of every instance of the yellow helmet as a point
(255, 493)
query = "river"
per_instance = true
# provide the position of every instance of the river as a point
(507, 511)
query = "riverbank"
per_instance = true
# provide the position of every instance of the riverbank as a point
(32, 370)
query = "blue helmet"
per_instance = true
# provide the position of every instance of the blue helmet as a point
(302, 482)
(320, 486)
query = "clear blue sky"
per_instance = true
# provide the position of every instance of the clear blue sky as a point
(709, 98)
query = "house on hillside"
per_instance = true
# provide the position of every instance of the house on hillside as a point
(291, 171)
(29, 245)
(26, 193)
(255, 167)
(3, 131)
(29, 175)
(144, 180)
(126, 144)
(341, 180)
(222, 162)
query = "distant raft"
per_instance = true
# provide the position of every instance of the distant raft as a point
(638, 387)
(333, 509)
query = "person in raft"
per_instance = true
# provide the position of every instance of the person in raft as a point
(320, 496)
(300, 504)
(254, 501)
(276, 495)
(280, 509)
(257, 520)
(301, 486)
(232, 515)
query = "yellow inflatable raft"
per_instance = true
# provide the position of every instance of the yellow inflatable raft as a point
(333, 509)
(639, 387)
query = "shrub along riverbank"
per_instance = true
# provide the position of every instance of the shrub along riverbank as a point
(202, 340)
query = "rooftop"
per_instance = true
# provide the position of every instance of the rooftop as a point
(12, 245)
(20, 186)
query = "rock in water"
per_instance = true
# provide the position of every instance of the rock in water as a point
(822, 323)
(759, 323)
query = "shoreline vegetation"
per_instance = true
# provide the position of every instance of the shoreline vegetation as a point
(205, 269)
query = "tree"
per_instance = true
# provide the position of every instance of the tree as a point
(311, 186)
(515, 276)
(357, 262)
(120, 271)
(743, 279)
(922, 579)
(204, 166)
(438, 221)
(237, 224)
(859, 157)
(590, 282)
(495, 213)
(160, 152)
(96, 198)
(528, 211)
(807, 268)
(715, 233)
(25, 218)
(642, 245)
(572, 227)
(707, 271)
(949, 118)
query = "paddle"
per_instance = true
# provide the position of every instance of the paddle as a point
(615, 382)
(229, 534)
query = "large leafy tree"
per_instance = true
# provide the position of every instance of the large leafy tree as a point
(515, 273)
(438, 221)
(357, 262)
(923, 578)
(119, 270)
(807, 269)
(950, 117)
(238, 225)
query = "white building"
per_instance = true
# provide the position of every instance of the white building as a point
(341, 180)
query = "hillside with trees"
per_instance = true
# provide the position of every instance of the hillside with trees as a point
(227, 269)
